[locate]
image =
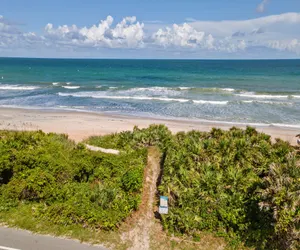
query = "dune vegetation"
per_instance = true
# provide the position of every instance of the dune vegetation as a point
(234, 184)
(66, 183)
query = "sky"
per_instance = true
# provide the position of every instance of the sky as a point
(206, 29)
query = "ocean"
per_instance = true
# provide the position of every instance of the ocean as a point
(234, 91)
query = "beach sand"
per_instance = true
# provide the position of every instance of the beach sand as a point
(81, 125)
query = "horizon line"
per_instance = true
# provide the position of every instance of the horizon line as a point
(179, 59)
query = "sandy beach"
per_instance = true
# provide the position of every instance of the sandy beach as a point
(80, 125)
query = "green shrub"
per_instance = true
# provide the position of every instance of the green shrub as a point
(215, 183)
(132, 180)
(67, 183)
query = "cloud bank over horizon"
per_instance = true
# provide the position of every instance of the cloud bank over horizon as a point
(229, 38)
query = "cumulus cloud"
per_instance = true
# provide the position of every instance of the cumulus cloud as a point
(179, 35)
(276, 32)
(127, 33)
(185, 36)
(262, 6)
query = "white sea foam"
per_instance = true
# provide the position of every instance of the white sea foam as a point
(16, 87)
(159, 89)
(285, 125)
(141, 98)
(184, 88)
(71, 87)
(210, 102)
(171, 90)
(228, 89)
(296, 96)
(55, 83)
(68, 83)
(149, 92)
(254, 95)
(153, 88)
(93, 95)
(268, 102)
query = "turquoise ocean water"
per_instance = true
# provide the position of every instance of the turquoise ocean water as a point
(244, 91)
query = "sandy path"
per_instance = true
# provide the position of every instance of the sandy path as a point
(143, 219)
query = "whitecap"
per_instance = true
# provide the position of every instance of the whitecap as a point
(210, 102)
(71, 87)
(55, 83)
(254, 95)
(184, 88)
(93, 95)
(228, 89)
(268, 102)
(16, 87)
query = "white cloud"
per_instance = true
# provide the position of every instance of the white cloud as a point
(266, 31)
(288, 45)
(127, 33)
(185, 36)
(179, 35)
(283, 23)
(271, 33)
(262, 6)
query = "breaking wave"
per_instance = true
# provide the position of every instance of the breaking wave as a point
(16, 87)
(142, 98)
(267, 102)
(266, 96)
(71, 87)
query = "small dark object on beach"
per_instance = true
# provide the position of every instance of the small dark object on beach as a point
(298, 140)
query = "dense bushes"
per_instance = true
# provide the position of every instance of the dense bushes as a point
(66, 183)
(235, 183)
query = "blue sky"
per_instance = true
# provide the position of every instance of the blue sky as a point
(150, 29)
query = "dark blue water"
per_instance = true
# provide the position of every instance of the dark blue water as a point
(248, 91)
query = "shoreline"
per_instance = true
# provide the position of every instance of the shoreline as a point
(81, 124)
